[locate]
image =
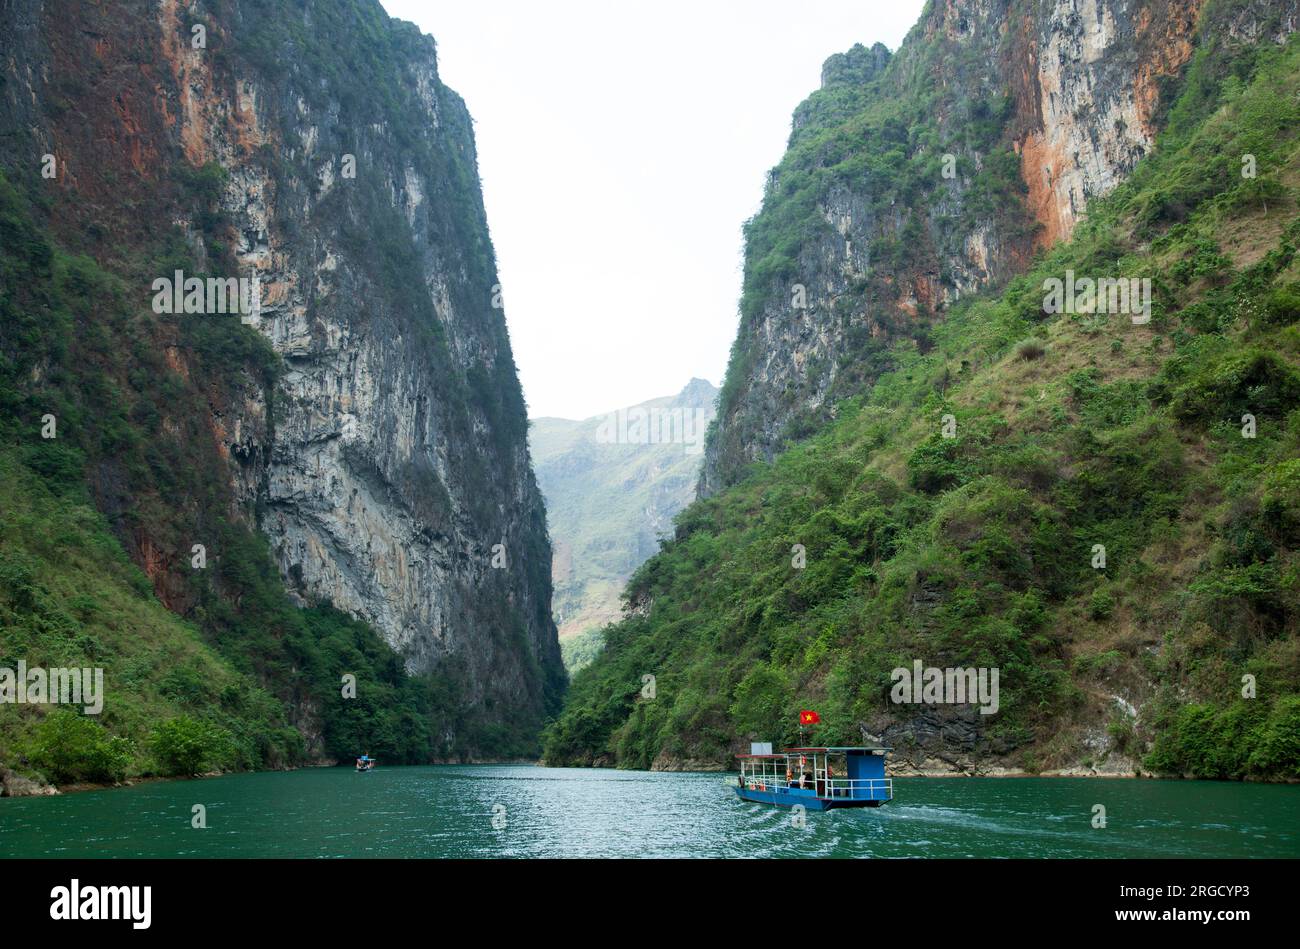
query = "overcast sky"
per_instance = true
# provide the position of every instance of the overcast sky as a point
(622, 143)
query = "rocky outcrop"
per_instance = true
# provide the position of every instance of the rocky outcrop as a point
(1032, 109)
(13, 784)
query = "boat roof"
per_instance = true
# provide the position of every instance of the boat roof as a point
(824, 750)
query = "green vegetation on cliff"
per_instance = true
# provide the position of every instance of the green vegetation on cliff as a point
(1072, 431)
(245, 666)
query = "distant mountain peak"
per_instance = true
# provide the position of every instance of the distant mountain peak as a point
(698, 393)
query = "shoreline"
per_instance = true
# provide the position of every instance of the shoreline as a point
(30, 787)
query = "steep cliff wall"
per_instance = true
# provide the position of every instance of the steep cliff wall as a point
(913, 180)
(382, 449)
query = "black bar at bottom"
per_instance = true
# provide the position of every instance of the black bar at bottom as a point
(366, 899)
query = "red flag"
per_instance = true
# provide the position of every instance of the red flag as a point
(809, 718)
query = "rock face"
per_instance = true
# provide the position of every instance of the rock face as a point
(396, 470)
(1088, 106)
(613, 485)
(1032, 109)
(387, 461)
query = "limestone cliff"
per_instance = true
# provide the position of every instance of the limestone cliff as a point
(315, 149)
(915, 179)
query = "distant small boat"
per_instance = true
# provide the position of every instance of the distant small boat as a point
(365, 764)
(816, 778)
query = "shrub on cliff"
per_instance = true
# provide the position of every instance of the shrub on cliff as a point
(1249, 737)
(185, 745)
(68, 748)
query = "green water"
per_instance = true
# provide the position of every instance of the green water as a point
(549, 812)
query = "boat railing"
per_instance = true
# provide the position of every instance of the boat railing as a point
(860, 788)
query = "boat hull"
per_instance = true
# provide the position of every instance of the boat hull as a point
(809, 801)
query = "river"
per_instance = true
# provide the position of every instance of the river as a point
(524, 811)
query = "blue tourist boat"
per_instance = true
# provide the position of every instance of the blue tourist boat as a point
(817, 778)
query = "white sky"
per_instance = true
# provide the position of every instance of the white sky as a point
(622, 143)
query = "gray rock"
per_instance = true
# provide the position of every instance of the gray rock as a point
(13, 784)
